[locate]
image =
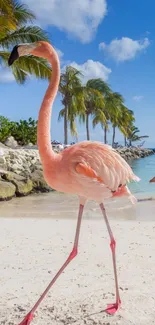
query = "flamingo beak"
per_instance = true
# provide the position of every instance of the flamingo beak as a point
(13, 56)
(21, 50)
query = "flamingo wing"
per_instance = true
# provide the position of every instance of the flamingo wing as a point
(106, 167)
(87, 171)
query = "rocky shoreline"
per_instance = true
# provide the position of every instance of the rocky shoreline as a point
(21, 170)
(132, 153)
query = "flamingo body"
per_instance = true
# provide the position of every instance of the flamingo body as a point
(91, 170)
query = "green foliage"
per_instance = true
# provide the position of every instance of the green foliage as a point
(23, 131)
(5, 128)
(6, 10)
(14, 29)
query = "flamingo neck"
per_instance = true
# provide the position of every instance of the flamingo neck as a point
(44, 119)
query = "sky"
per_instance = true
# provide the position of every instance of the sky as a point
(108, 39)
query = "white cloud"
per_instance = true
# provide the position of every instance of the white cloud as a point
(125, 48)
(92, 69)
(137, 98)
(60, 53)
(79, 18)
(6, 75)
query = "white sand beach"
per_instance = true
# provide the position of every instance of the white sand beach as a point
(36, 236)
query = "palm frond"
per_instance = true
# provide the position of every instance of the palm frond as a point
(123, 130)
(22, 13)
(4, 57)
(100, 117)
(26, 34)
(143, 137)
(20, 75)
(61, 114)
(138, 138)
(28, 65)
(82, 117)
(6, 25)
(6, 6)
(73, 128)
(118, 97)
(100, 85)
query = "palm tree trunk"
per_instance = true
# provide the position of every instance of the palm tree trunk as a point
(125, 141)
(113, 136)
(105, 134)
(66, 125)
(87, 126)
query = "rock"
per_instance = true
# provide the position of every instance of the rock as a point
(39, 183)
(11, 142)
(23, 188)
(134, 153)
(16, 168)
(3, 171)
(1, 152)
(12, 176)
(7, 190)
(3, 167)
(2, 160)
(2, 145)
(36, 167)
(31, 146)
(23, 185)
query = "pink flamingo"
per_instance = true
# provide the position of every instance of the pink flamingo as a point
(152, 180)
(89, 169)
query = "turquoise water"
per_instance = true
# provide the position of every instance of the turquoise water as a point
(145, 169)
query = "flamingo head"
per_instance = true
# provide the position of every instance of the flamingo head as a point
(36, 48)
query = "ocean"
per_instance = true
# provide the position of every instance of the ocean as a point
(145, 169)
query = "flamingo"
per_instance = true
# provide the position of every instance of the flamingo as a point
(90, 170)
(152, 180)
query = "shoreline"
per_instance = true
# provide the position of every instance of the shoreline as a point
(57, 206)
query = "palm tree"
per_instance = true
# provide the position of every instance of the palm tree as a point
(94, 91)
(132, 135)
(14, 30)
(114, 102)
(107, 110)
(72, 99)
(126, 120)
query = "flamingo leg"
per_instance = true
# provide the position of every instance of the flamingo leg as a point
(111, 309)
(27, 320)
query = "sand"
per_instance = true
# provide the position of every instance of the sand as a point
(36, 236)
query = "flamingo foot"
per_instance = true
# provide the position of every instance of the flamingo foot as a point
(27, 320)
(113, 308)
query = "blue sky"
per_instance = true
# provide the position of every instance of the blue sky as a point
(113, 40)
